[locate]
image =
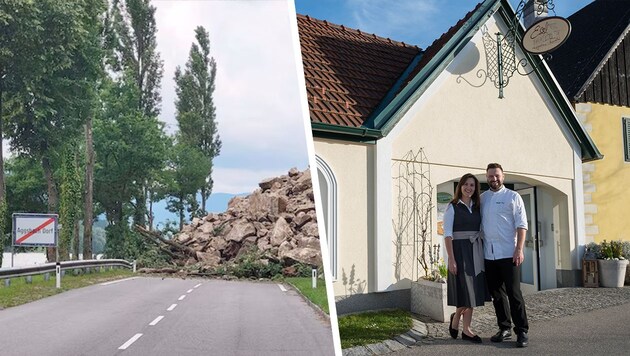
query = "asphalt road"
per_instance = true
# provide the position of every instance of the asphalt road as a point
(151, 316)
(598, 332)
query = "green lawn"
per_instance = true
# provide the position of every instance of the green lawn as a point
(372, 327)
(305, 286)
(20, 292)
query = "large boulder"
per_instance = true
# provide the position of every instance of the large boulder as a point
(240, 230)
(308, 256)
(281, 232)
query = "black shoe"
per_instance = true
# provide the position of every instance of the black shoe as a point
(505, 334)
(476, 339)
(452, 331)
(522, 339)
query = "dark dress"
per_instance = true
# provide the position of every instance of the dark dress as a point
(468, 288)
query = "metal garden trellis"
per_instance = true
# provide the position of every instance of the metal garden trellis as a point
(413, 225)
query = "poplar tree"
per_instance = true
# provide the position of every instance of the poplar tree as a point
(196, 112)
(133, 39)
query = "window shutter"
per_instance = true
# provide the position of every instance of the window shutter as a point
(626, 138)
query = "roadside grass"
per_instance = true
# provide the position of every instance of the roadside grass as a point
(315, 295)
(371, 327)
(20, 292)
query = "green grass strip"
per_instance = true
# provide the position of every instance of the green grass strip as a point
(372, 327)
(315, 295)
(20, 292)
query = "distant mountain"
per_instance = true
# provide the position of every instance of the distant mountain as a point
(216, 203)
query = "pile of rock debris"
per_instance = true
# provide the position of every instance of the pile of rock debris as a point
(278, 221)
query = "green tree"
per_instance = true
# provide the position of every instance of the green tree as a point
(129, 146)
(70, 203)
(51, 91)
(196, 113)
(96, 25)
(26, 190)
(26, 186)
(21, 61)
(187, 169)
(133, 40)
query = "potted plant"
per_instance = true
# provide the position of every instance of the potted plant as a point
(625, 247)
(428, 293)
(611, 262)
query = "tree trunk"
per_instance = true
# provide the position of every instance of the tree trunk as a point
(88, 216)
(2, 185)
(141, 207)
(53, 200)
(203, 201)
(151, 217)
(75, 240)
(181, 213)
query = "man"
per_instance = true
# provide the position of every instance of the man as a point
(504, 224)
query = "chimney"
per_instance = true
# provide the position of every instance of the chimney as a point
(534, 11)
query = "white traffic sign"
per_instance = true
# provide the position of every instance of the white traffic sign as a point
(35, 229)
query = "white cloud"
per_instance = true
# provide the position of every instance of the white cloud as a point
(259, 114)
(395, 19)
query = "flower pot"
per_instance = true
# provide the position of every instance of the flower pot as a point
(612, 273)
(429, 298)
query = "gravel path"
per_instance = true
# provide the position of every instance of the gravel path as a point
(541, 306)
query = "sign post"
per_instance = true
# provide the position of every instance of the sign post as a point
(32, 230)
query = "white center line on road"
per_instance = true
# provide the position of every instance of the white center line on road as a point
(171, 307)
(189, 291)
(282, 288)
(157, 320)
(182, 297)
(197, 285)
(129, 342)
(120, 280)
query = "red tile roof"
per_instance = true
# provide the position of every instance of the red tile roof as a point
(435, 47)
(348, 72)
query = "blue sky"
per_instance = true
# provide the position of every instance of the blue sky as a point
(416, 22)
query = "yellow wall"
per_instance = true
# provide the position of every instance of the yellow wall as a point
(606, 192)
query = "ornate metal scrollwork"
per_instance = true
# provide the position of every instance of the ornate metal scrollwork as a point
(501, 60)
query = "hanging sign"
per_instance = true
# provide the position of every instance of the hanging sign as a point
(546, 35)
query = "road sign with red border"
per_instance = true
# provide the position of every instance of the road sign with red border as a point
(35, 229)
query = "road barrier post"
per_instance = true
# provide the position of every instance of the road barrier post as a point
(58, 272)
(314, 275)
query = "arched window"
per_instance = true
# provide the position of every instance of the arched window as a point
(328, 192)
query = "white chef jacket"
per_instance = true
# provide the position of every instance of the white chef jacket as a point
(502, 212)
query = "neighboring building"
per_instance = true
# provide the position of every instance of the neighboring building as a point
(391, 121)
(593, 68)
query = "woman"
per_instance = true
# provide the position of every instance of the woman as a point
(466, 286)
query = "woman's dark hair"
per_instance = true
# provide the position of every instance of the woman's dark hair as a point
(476, 195)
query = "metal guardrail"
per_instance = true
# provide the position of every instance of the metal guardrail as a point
(65, 265)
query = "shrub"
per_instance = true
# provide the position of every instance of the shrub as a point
(613, 250)
(253, 265)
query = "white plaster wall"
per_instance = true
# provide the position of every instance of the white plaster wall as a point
(461, 125)
(463, 128)
(350, 163)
